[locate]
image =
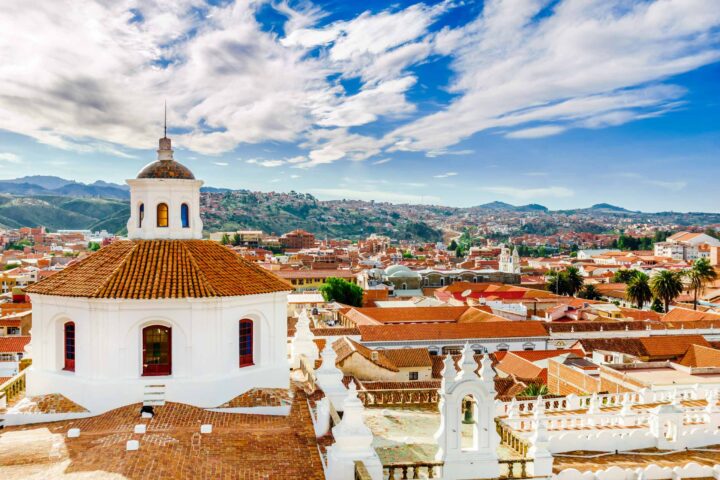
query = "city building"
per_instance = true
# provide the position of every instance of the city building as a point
(140, 320)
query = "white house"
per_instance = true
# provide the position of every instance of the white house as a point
(163, 316)
(686, 246)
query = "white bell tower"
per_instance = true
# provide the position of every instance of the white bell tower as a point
(165, 200)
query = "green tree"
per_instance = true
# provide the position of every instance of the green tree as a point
(712, 232)
(589, 292)
(93, 246)
(624, 275)
(556, 282)
(656, 306)
(666, 285)
(565, 282)
(225, 239)
(700, 274)
(236, 239)
(638, 290)
(453, 245)
(340, 290)
(573, 280)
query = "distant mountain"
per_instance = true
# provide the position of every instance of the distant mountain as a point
(100, 183)
(496, 206)
(215, 190)
(56, 186)
(532, 207)
(48, 182)
(58, 203)
(58, 213)
(500, 206)
(609, 207)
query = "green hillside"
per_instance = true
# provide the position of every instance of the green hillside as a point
(58, 213)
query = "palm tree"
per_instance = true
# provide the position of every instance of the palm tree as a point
(574, 281)
(667, 286)
(534, 390)
(554, 282)
(638, 290)
(699, 275)
(589, 292)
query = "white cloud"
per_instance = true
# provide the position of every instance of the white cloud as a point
(445, 175)
(673, 186)
(91, 75)
(10, 157)
(443, 152)
(588, 64)
(536, 132)
(382, 161)
(266, 163)
(221, 164)
(529, 193)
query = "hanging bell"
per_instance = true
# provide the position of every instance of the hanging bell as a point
(468, 411)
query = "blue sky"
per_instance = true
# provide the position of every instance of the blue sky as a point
(560, 102)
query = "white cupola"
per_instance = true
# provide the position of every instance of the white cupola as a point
(165, 200)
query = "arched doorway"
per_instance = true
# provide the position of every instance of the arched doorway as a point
(157, 350)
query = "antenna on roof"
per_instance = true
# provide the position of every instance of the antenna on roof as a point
(165, 127)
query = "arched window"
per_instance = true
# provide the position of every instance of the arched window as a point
(162, 215)
(141, 214)
(157, 350)
(185, 215)
(69, 350)
(246, 343)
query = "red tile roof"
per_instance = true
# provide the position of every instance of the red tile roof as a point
(154, 269)
(344, 347)
(14, 343)
(700, 356)
(408, 357)
(451, 331)
(372, 315)
(658, 347)
(686, 315)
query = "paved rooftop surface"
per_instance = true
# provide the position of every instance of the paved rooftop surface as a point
(239, 447)
(405, 434)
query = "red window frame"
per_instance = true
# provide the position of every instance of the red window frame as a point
(69, 346)
(245, 341)
(154, 351)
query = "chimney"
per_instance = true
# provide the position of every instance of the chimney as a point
(374, 356)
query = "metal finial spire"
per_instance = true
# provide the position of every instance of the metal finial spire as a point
(165, 128)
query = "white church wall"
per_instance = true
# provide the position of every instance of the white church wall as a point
(172, 192)
(205, 348)
(650, 472)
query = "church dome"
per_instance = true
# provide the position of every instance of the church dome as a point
(165, 166)
(166, 169)
(398, 271)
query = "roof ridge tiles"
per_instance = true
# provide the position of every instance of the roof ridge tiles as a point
(155, 269)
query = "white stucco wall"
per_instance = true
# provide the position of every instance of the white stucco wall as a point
(205, 348)
(173, 192)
